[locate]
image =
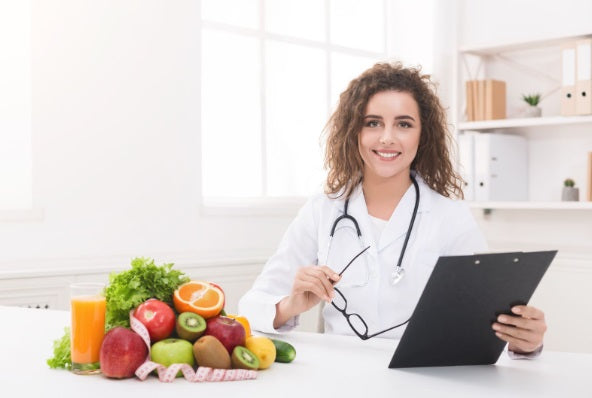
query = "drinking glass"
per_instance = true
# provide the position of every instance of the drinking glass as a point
(87, 303)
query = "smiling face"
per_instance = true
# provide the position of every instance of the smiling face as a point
(389, 137)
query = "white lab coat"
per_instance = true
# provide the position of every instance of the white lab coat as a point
(442, 227)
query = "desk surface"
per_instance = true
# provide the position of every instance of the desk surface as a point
(325, 366)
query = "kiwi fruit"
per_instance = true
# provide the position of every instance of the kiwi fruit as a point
(210, 352)
(243, 358)
(190, 326)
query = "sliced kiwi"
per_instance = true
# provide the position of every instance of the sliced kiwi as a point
(210, 352)
(243, 358)
(190, 326)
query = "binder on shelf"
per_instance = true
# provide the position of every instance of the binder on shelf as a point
(495, 99)
(584, 77)
(590, 176)
(501, 167)
(466, 160)
(568, 79)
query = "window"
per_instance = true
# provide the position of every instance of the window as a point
(15, 106)
(272, 71)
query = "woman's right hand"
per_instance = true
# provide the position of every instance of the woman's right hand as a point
(312, 284)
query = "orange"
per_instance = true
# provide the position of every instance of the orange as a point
(243, 321)
(199, 297)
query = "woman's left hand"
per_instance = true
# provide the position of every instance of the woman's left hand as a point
(523, 332)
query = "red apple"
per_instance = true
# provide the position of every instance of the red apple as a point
(158, 318)
(122, 352)
(229, 331)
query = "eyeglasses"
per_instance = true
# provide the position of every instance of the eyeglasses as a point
(355, 321)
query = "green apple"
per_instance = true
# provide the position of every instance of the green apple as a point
(169, 351)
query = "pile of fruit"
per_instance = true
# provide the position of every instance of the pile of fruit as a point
(202, 336)
(186, 324)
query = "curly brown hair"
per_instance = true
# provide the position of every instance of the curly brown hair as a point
(432, 162)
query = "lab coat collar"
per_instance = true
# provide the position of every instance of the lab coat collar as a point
(398, 223)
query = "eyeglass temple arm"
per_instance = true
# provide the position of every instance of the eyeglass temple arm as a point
(354, 259)
(391, 328)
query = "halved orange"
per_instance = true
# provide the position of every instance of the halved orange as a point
(199, 297)
(243, 321)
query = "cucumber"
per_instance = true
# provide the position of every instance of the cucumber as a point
(285, 352)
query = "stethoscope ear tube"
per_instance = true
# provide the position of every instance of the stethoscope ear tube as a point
(410, 224)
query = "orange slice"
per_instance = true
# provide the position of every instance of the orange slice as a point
(199, 297)
(243, 321)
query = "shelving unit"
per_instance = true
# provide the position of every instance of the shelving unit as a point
(558, 145)
(525, 122)
(496, 48)
(532, 205)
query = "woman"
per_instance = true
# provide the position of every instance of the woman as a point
(388, 190)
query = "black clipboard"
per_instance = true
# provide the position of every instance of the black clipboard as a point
(451, 324)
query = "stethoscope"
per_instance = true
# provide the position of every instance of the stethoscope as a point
(398, 273)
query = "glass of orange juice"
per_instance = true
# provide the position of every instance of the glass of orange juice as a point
(87, 303)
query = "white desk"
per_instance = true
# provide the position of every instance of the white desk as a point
(325, 366)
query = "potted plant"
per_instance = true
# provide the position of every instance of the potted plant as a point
(533, 110)
(570, 192)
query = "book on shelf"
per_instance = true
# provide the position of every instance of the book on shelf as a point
(486, 99)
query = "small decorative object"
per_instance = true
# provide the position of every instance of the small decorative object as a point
(570, 193)
(533, 110)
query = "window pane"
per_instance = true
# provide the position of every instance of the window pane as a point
(303, 19)
(358, 24)
(243, 13)
(15, 105)
(231, 115)
(345, 68)
(296, 112)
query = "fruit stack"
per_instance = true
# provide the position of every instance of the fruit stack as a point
(198, 333)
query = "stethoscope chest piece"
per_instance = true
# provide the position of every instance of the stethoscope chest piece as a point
(397, 275)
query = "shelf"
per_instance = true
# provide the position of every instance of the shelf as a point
(526, 205)
(484, 50)
(524, 122)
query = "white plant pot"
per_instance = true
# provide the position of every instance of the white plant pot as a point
(532, 111)
(570, 194)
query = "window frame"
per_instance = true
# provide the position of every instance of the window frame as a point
(265, 204)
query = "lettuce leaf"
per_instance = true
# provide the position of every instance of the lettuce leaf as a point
(61, 352)
(128, 289)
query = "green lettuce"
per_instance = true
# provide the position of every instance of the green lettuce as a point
(61, 352)
(128, 289)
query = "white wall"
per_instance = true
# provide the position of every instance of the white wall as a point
(115, 120)
(564, 293)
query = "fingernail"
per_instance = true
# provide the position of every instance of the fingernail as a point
(502, 319)
(495, 326)
(336, 276)
(516, 310)
(498, 334)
